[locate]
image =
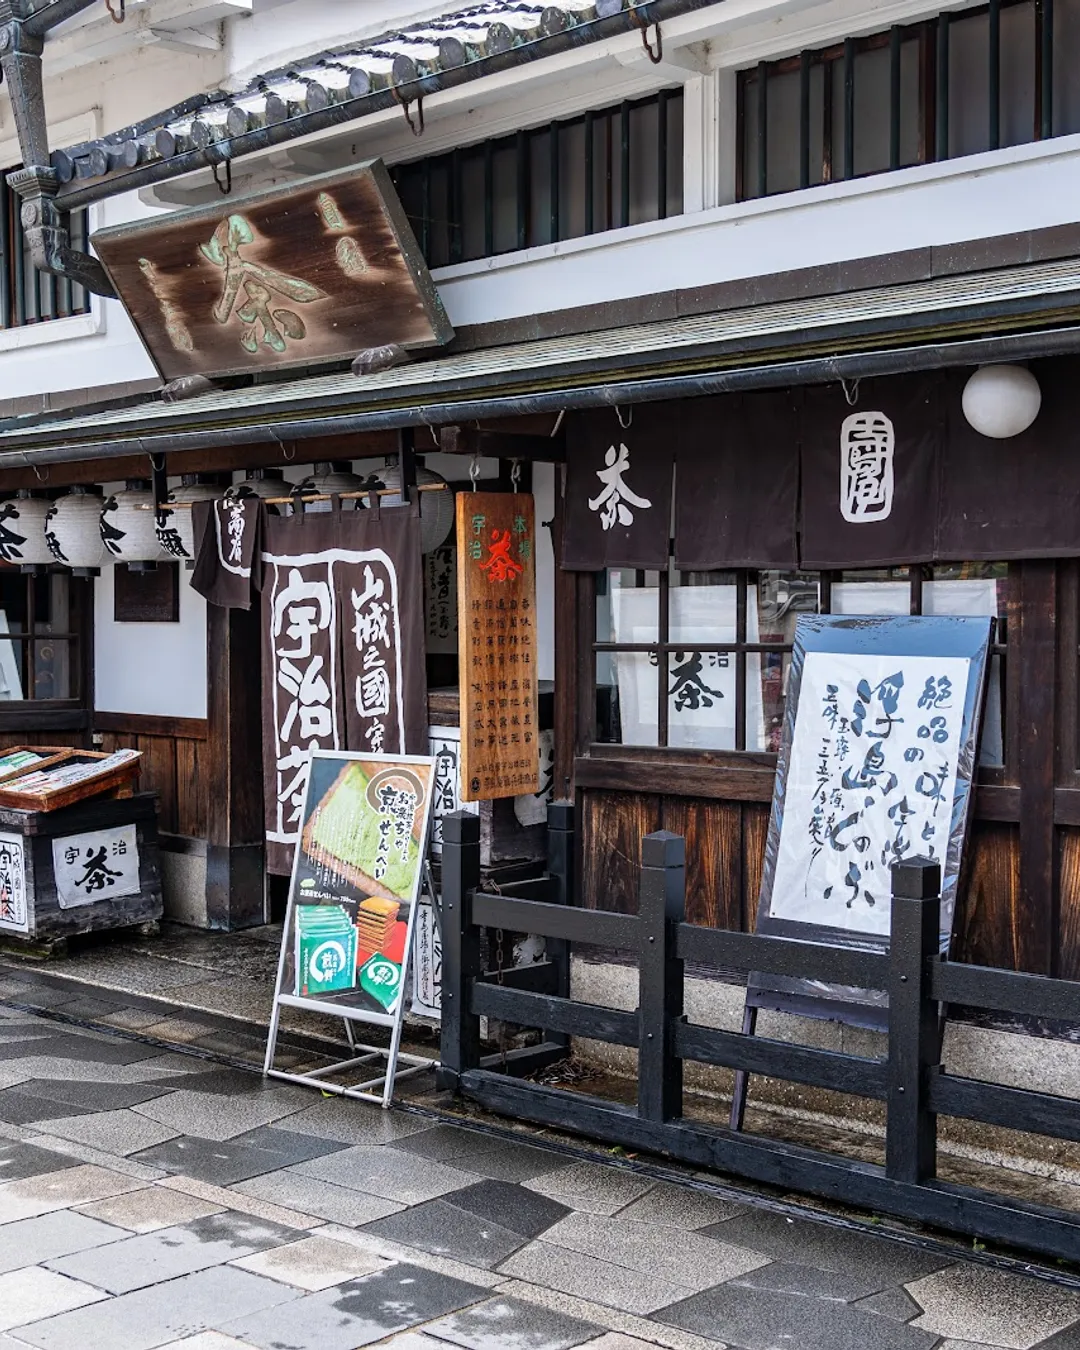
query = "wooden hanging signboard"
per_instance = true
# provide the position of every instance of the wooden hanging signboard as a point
(496, 547)
(312, 272)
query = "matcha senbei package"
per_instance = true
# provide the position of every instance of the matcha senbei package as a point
(382, 979)
(325, 950)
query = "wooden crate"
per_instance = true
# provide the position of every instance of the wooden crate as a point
(110, 844)
(72, 776)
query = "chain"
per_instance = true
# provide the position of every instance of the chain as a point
(515, 473)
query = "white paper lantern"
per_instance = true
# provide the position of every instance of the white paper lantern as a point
(261, 483)
(176, 533)
(1002, 401)
(436, 508)
(128, 526)
(73, 531)
(334, 477)
(22, 531)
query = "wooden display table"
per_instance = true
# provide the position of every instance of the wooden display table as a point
(80, 869)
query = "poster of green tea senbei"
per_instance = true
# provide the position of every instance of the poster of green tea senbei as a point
(357, 872)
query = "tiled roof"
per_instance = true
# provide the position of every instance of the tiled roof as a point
(345, 83)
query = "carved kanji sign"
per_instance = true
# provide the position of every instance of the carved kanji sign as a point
(500, 743)
(292, 276)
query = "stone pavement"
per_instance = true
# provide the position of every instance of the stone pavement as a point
(154, 1199)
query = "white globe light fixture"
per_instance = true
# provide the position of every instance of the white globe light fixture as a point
(1002, 401)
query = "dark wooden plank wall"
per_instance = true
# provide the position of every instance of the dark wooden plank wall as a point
(1020, 892)
(172, 766)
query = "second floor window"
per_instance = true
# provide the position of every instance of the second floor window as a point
(26, 295)
(597, 171)
(964, 82)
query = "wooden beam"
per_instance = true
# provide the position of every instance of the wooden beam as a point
(468, 440)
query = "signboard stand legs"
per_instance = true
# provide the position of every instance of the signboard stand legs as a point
(350, 925)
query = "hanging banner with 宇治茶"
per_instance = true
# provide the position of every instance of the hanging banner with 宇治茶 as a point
(500, 746)
(343, 633)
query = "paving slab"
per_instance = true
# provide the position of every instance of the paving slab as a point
(681, 1207)
(339, 1204)
(226, 1199)
(220, 1162)
(809, 1282)
(357, 1313)
(29, 1242)
(20, 1108)
(29, 1294)
(314, 1263)
(153, 1258)
(207, 1340)
(515, 1207)
(510, 1324)
(19, 1161)
(73, 1185)
(148, 1210)
(212, 1116)
(352, 1122)
(691, 1260)
(292, 1147)
(979, 1303)
(828, 1246)
(82, 1047)
(145, 1320)
(387, 1172)
(121, 1132)
(763, 1319)
(95, 1096)
(442, 1229)
(593, 1187)
(895, 1303)
(587, 1277)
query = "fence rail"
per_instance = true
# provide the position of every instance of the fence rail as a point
(909, 1079)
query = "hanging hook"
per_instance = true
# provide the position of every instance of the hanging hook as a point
(558, 423)
(157, 468)
(474, 471)
(656, 53)
(117, 18)
(515, 473)
(434, 435)
(41, 477)
(417, 127)
(629, 419)
(851, 391)
(223, 186)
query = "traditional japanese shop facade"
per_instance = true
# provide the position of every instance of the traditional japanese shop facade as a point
(678, 368)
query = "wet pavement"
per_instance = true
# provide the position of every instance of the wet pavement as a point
(154, 1198)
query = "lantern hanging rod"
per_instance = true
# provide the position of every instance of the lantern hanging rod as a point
(306, 497)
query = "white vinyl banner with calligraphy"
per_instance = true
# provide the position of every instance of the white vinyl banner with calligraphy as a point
(13, 915)
(870, 782)
(93, 867)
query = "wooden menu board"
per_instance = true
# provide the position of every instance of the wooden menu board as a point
(496, 545)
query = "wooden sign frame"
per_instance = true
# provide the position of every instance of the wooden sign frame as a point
(294, 276)
(497, 644)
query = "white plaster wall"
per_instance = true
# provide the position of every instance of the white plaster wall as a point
(158, 669)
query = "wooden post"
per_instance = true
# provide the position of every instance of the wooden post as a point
(914, 1029)
(660, 998)
(561, 865)
(233, 782)
(462, 960)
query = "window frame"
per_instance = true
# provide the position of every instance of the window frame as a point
(55, 714)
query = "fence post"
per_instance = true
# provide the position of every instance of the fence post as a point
(914, 1030)
(561, 866)
(661, 909)
(461, 955)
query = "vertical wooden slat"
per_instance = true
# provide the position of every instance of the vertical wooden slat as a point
(663, 660)
(489, 199)
(994, 75)
(714, 861)
(585, 732)
(555, 226)
(804, 119)
(425, 209)
(763, 129)
(455, 201)
(740, 660)
(1034, 921)
(827, 123)
(1044, 69)
(191, 789)
(990, 897)
(849, 108)
(521, 151)
(590, 172)
(755, 834)
(1069, 883)
(624, 164)
(662, 100)
(6, 245)
(927, 93)
(895, 53)
(613, 826)
(17, 269)
(941, 95)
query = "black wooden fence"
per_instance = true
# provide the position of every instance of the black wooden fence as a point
(910, 1079)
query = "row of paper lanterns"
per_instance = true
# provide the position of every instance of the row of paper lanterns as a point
(86, 532)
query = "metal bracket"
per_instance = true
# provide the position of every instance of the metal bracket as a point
(117, 18)
(22, 41)
(224, 186)
(417, 127)
(654, 53)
